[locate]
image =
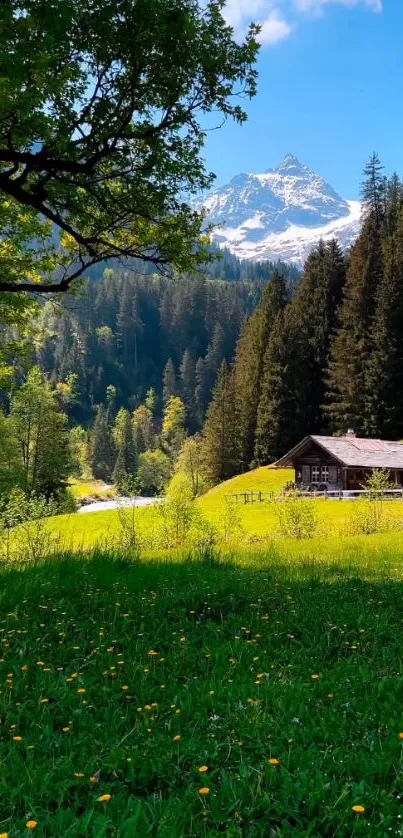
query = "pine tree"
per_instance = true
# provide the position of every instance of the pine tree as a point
(201, 391)
(120, 476)
(188, 375)
(214, 357)
(173, 427)
(102, 449)
(248, 366)
(279, 419)
(373, 190)
(40, 428)
(124, 441)
(143, 429)
(169, 382)
(384, 369)
(219, 433)
(348, 398)
(351, 346)
(316, 305)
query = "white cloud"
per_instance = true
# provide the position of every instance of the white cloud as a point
(239, 13)
(318, 6)
(274, 29)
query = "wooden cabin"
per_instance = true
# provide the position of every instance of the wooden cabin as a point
(334, 463)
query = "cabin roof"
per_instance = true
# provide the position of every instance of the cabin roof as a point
(350, 451)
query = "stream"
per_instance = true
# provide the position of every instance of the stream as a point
(119, 503)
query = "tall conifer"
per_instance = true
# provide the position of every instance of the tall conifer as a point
(219, 433)
(248, 366)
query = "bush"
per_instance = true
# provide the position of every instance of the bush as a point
(231, 521)
(296, 516)
(154, 471)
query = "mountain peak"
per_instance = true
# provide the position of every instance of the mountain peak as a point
(290, 164)
(281, 213)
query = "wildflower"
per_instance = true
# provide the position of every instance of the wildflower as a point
(44, 700)
(79, 774)
(94, 779)
(104, 798)
(152, 653)
(212, 692)
(274, 761)
(331, 696)
(4, 835)
(125, 687)
(358, 809)
(177, 738)
(203, 769)
(17, 738)
(81, 691)
(315, 676)
(204, 790)
(400, 735)
(23, 669)
(31, 824)
(65, 729)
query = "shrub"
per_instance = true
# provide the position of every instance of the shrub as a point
(296, 516)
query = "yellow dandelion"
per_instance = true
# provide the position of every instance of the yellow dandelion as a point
(3, 834)
(204, 790)
(44, 700)
(65, 729)
(274, 761)
(31, 824)
(104, 798)
(81, 691)
(125, 687)
(359, 810)
(177, 738)
(23, 669)
(212, 692)
(203, 769)
(17, 738)
(401, 735)
(79, 774)
(315, 676)
(152, 653)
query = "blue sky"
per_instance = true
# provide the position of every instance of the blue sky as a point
(330, 90)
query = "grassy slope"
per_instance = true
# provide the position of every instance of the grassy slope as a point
(232, 677)
(258, 520)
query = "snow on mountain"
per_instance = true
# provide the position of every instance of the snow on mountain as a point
(280, 214)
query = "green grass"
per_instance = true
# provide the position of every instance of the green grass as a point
(234, 648)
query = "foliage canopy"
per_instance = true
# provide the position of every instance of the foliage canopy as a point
(103, 111)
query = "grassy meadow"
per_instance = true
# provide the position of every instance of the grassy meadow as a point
(196, 699)
(334, 529)
(251, 690)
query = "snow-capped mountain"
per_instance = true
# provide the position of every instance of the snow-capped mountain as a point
(280, 214)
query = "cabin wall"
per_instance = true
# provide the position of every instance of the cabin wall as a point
(316, 467)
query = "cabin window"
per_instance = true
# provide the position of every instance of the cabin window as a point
(315, 474)
(325, 474)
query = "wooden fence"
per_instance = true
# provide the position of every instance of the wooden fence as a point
(264, 497)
